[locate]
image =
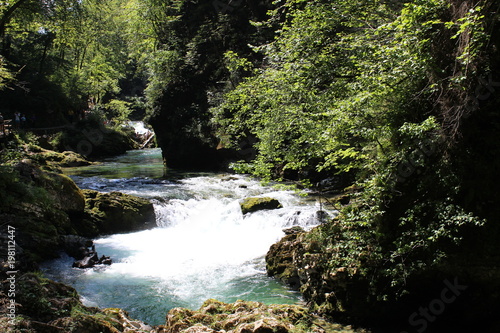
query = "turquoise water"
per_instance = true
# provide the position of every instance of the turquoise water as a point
(202, 247)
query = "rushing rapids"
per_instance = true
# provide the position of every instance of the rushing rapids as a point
(203, 246)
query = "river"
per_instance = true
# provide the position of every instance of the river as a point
(203, 247)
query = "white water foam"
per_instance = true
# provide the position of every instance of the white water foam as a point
(203, 244)
(203, 247)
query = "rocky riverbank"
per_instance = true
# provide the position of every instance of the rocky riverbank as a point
(44, 306)
(248, 317)
(40, 209)
(44, 206)
(340, 278)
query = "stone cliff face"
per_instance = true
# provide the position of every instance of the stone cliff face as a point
(200, 37)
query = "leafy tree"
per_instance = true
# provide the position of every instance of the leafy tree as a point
(5, 75)
(75, 50)
(388, 93)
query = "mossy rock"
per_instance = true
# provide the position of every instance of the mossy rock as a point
(100, 141)
(50, 158)
(45, 306)
(67, 195)
(39, 205)
(254, 204)
(280, 261)
(120, 319)
(241, 316)
(117, 212)
(43, 299)
(72, 159)
(62, 191)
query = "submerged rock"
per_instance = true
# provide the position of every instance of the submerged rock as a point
(83, 250)
(253, 204)
(91, 259)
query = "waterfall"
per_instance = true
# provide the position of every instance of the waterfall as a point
(201, 245)
(139, 127)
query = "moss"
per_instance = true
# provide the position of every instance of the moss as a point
(250, 205)
(65, 193)
(47, 306)
(39, 205)
(44, 299)
(280, 261)
(241, 316)
(213, 306)
(51, 160)
(36, 215)
(85, 323)
(118, 212)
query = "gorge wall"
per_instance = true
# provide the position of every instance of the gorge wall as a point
(196, 75)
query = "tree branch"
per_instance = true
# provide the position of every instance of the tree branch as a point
(8, 14)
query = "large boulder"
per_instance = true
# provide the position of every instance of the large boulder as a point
(90, 138)
(62, 190)
(39, 206)
(67, 196)
(117, 212)
(254, 204)
(56, 159)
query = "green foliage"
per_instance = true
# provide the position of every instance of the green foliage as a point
(162, 68)
(331, 94)
(382, 90)
(73, 55)
(5, 75)
(118, 111)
